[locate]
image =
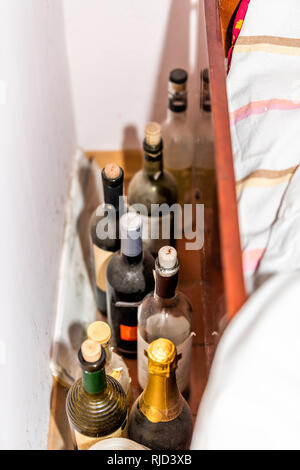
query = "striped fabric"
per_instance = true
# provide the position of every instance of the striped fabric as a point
(265, 178)
(269, 44)
(264, 107)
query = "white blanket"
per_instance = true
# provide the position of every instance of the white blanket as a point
(252, 398)
(264, 105)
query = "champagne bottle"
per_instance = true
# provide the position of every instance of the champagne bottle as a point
(205, 175)
(161, 418)
(166, 313)
(153, 185)
(115, 366)
(178, 137)
(105, 239)
(129, 278)
(96, 404)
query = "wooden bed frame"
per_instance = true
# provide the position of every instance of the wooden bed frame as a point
(215, 282)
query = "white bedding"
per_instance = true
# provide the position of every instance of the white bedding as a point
(264, 105)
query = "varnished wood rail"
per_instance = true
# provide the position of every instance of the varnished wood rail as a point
(231, 257)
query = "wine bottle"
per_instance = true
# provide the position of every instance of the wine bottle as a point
(178, 137)
(205, 175)
(96, 404)
(166, 313)
(105, 240)
(154, 186)
(129, 278)
(115, 366)
(161, 418)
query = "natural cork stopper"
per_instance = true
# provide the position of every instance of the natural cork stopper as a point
(162, 351)
(167, 257)
(91, 351)
(112, 171)
(153, 133)
(99, 331)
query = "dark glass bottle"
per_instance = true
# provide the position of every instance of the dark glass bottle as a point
(96, 404)
(154, 186)
(129, 278)
(105, 239)
(161, 418)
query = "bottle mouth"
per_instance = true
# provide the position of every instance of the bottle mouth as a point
(114, 178)
(92, 366)
(178, 76)
(153, 151)
(162, 351)
(166, 272)
(99, 331)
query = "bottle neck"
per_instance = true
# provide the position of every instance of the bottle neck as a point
(165, 286)
(153, 166)
(94, 382)
(178, 117)
(113, 195)
(161, 400)
(133, 259)
(153, 158)
(132, 249)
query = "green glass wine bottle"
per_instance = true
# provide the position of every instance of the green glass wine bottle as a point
(152, 187)
(161, 418)
(96, 404)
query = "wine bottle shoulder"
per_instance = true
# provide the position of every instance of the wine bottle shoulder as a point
(170, 435)
(97, 415)
(178, 306)
(159, 188)
(109, 224)
(131, 278)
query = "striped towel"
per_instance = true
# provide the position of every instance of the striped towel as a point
(264, 105)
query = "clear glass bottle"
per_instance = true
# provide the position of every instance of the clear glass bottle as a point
(103, 245)
(161, 418)
(96, 404)
(115, 366)
(178, 137)
(129, 279)
(205, 174)
(166, 313)
(154, 185)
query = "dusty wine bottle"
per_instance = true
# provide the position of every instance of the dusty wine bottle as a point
(115, 366)
(166, 313)
(152, 187)
(96, 404)
(129, 278)
(105, 239)
(178, 137)
(161, 418)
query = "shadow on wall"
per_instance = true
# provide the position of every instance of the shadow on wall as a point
(180, 50)
(184, 46)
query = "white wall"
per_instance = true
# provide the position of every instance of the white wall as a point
(120, 55)
(37, 144)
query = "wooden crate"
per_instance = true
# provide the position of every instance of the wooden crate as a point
(213, 277)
